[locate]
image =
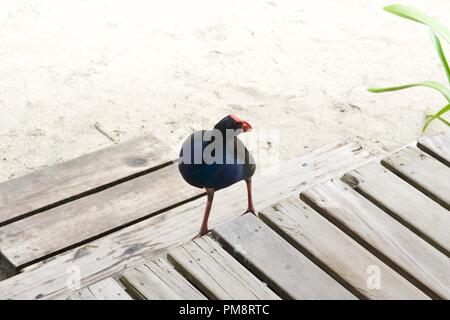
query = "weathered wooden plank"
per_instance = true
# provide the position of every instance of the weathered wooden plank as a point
(158, 280)
(106, 289)
(78, 177)
(437, 146)
(31, 239)
(336, 252)
(422, 171)
(393, 243)
(216, 272)
(287, 271)
(405, 203)
(116, 251)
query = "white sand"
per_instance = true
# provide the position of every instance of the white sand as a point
(164, 68)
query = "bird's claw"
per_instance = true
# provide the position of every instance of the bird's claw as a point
(200, 234)
(250, 210)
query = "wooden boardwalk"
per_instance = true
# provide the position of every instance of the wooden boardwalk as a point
(333, 224)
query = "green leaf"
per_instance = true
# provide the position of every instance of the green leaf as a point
(436, 115)
(418, 16)
(444, 121)
(431, 84)
(440, 51)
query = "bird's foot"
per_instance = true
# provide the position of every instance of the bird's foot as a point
(250, 210)
(201, 234)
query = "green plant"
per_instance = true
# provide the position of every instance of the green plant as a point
(436, 30)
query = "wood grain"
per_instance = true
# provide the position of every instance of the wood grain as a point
(423, 172)
(158, 280)
(106, 289)
(287, 271)
(405, 203)
(390, 241)
(437, 146)
(336, 252)
(31, 239)
(73, 179)
(216, 273)
(117, 251)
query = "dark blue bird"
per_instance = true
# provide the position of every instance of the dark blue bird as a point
(216, 159)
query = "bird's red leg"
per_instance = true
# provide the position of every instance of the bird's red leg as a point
(204, 226)
(250, 207)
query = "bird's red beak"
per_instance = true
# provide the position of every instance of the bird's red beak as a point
(246, 126)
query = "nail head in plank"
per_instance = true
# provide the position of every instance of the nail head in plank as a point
(158, 280)
(423, 172)
(28, 240)
(437, 146)
(106, 289)
(216, 273)
(404, 202)
(382, 235)
(287, 271)
(112, 253)
(328, 246)
(71, 179)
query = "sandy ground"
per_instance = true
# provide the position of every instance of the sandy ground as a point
(71, 69)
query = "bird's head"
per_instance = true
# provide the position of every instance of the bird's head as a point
(234, 123)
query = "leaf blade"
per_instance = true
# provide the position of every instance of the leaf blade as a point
(430, 84)
(418, 16)
(441, 54)
(444, 121)
(436, 115)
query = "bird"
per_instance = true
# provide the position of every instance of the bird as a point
(216, 159)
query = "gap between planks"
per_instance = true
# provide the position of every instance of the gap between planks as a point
(335, 252)
(437, 146)
(39, 237)
(409, 206)
(216, 273)
(421, 171)
(114, 252)
(383, 236)
(106, 289)
(156, 279)
(91, 173)
(286, 270)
